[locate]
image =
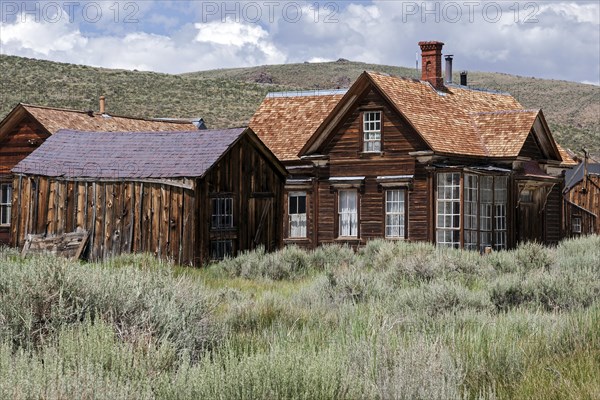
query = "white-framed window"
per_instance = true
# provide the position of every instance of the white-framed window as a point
(372, 131)
(5, 203)
(486, 206)
(576, 224)
(500, 204)
(395, 213)
(222, 213)
(471, 208)
(219, 249)
(348, 213)
(448, 209)
(297, 214)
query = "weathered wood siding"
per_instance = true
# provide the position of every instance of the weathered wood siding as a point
(552, 214)
(257, 190)
(346, 159)
(17, 144)
(531, 149)
(586, 194)
(122, 217)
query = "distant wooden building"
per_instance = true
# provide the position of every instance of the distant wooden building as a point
(582, 200)
(26, 127)
(419, 160)
(184, 196)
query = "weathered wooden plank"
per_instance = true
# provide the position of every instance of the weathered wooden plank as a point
(117, 220)
(68, 245)
(71, 207)
(109, 221)
(187, 243)
(138, 217)
(164, 221)
(128, 217)
(155, 222)
(60, 217)
(99, 208)
(81, 200)
(175, 225)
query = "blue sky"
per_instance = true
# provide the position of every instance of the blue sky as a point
(545, 39)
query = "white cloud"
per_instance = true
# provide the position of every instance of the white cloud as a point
(562, 42)
(234, 36)
(42, 37)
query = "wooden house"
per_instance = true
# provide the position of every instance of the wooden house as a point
(26, 127)
(420, 160)
(185, 196)
(582, 199)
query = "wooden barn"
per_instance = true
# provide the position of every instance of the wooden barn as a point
(582, 199)
(185, 196)
(26, 127)
(419, 160)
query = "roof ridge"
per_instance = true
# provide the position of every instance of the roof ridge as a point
(501, 112)
(387, 75)
(479, 135)
(148, 119)
(306, 93)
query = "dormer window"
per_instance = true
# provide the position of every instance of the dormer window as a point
(372, 131)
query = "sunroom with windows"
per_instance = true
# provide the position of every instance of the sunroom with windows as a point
(471, 210)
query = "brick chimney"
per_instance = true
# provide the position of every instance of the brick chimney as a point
(431, 63)
(102, 105)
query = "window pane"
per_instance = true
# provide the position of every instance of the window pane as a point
(372, 131)
(219, 249)
(448, 209)
(395, 213)
(297, 214)
(348, 213)
(5, 203)
(222, 212)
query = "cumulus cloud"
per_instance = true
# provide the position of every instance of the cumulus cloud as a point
(230, 35)
(41, 37)
(551, 39)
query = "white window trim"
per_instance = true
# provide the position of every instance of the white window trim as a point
(400, 214)
(368, 131)
(451, 200)
(6, 207)
(343, 216)
(298, 218)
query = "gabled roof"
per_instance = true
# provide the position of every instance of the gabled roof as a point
(456, 121)
(133, 155)
(54, 119)
(575, 175)
(286, 122)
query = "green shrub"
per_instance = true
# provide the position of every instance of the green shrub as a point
(47, 293)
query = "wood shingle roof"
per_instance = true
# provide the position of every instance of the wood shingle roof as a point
(285, 123)
(54, 119)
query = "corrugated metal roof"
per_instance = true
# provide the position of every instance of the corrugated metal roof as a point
(128, 155)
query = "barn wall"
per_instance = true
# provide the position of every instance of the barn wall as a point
(586, 194)
(17, 144)
(256, 186)
(122, 217)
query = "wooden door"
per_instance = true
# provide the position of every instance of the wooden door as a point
(530, 216)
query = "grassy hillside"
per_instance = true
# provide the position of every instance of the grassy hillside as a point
(394, 321)
(229, 97)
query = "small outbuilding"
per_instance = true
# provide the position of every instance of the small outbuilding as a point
(190, 197)
(27, 126)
